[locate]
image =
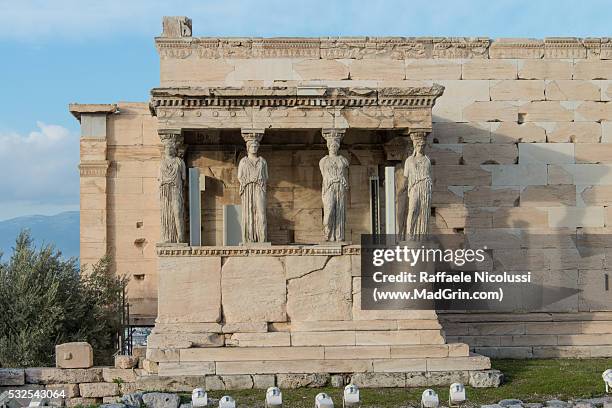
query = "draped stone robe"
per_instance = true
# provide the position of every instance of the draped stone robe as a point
(419, 183)
(334, 170)
(172, 176)
(253, 177)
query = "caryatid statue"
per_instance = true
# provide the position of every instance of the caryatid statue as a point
(334, 169)
(253, 178)
(419, 183)
(172, 180)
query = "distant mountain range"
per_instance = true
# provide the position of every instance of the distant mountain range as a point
(61, 230)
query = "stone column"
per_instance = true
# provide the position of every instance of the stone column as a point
(93, 169)
(334, 189)
(253, 178)
(172, 179)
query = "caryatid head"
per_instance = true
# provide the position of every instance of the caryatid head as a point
(333, 139)
(253, 140)
(171, 144)
(419, 140)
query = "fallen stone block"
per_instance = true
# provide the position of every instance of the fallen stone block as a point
(486, 378)
(74, 355)
(161, 400)
(12, 376)
(49, 375)
(126, 362)
(98, 390)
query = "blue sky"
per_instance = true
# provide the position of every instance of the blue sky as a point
(62, 51)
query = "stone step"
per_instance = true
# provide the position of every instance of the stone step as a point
(470, 363)
(316, 353)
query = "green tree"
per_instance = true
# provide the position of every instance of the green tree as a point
(44, 301)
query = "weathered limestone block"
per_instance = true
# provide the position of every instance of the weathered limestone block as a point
(74, 355)
(590, 69)
(184, 340)
(593, 111)
(594, 195)
(357, 352)
(161, 400)
(338, 338)
(573, 217)
(313, 69)
(520, 174)
(98, 390)
(275, 339)
(379, 380)
(489, 69)
(472, 132)
(229, 382)
(399, 365)
(528, 217)
(252, 353)
(574, 90)
(484, 196)
(299, 266)
(509, 132)
(83, 402)
(439, 378)
(549, 196)
(293, 367)
(189, 289)
(162, 355)
(462, 175)
(486, 378)
(458, 363)
(44, 375)
(291, 381)
(196, 368)
(416, 379)
(574, 132)
(12, 376)
(125, 362)
(113, 374)
(493, 111)
(490, 154)
(377, 69)
(433, 69)
(245, 327)
(150, 367)
(70, 390)
(321, 294)
(546, 111)
(513, 90)
(254, 289)
(545, 69)
(165, 384)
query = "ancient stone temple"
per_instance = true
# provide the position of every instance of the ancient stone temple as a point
(235, 198)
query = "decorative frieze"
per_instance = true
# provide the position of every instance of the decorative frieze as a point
(516, 48)
(461, 47)
(564, 48)
(275, 250)
(398, 48)
(94, 168)
(417, 97)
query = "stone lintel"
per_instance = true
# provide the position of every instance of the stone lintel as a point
(78, 109)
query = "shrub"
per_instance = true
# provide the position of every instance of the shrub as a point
(44, 301)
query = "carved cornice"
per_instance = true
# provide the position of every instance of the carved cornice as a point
(190, 98)
(77, 109)
(281, 250)
(94, 168)
(383, 47)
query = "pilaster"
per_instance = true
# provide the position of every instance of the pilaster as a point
(93, 170)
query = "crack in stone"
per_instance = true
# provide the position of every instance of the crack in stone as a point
(312, 271)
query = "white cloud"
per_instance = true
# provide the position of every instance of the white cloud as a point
(39, 171)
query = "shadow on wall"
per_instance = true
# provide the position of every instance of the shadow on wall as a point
(528, 202)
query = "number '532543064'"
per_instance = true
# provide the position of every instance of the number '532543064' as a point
(29, 394)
